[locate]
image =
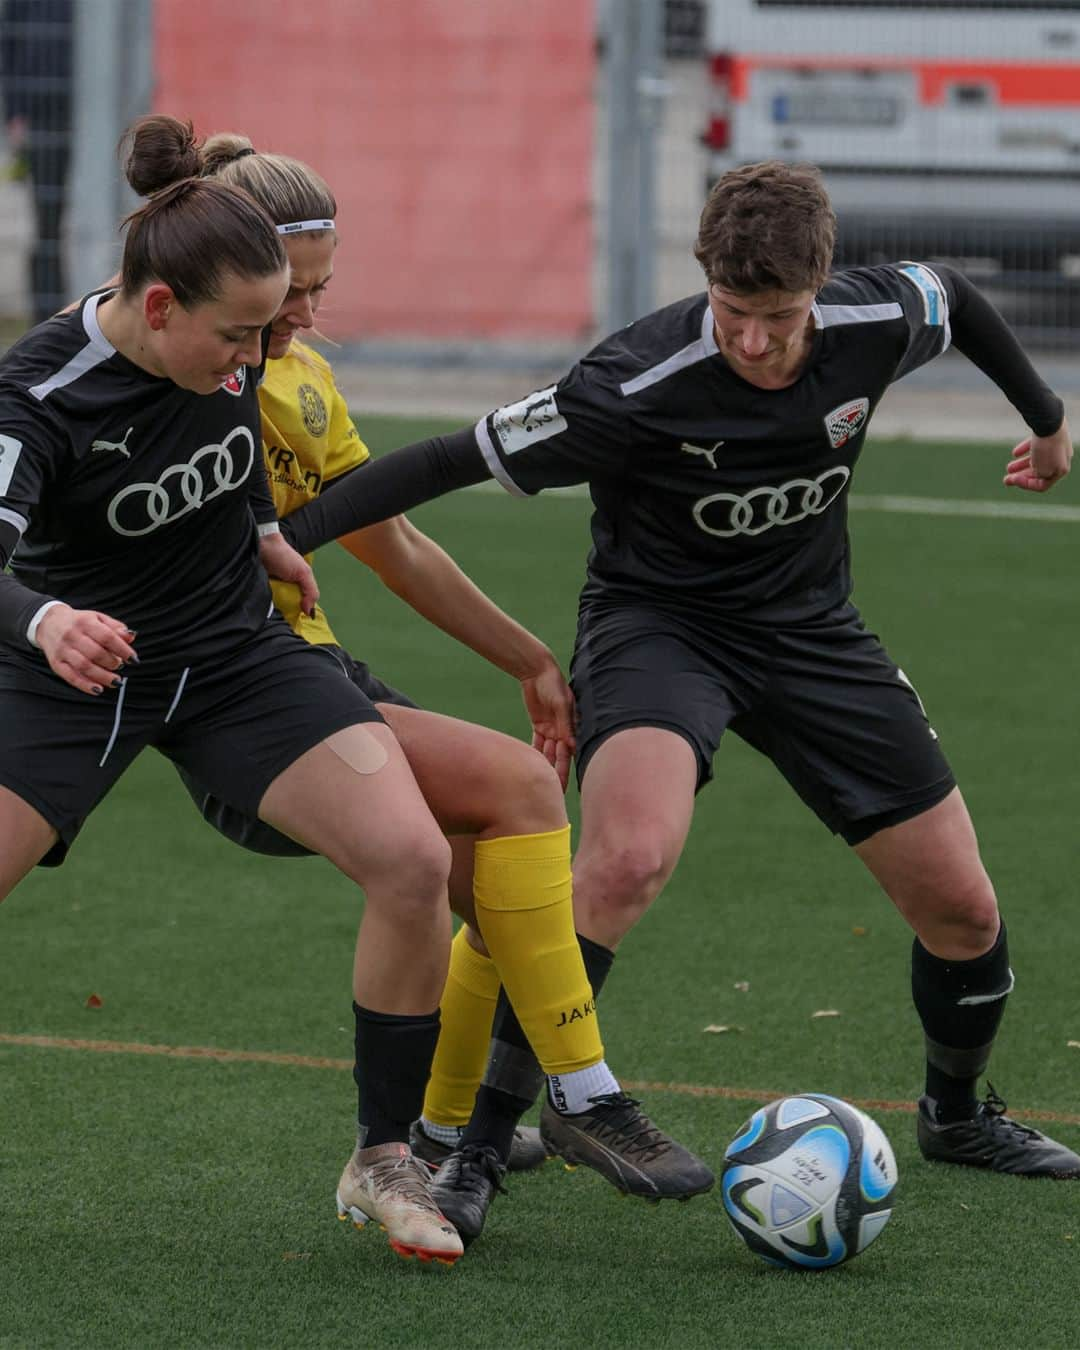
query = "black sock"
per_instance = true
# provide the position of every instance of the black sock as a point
(393, 1064)
(959, 1034)
(513, 1078)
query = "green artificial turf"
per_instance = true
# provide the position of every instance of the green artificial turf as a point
(150, 1201)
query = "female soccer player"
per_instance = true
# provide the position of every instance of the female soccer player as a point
(718, 437)
(499, 799)
(134, 509)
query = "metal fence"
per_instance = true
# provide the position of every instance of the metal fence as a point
(946, 130)
(72, 74)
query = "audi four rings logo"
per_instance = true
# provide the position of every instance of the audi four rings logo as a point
(761, 508)
(184, 487)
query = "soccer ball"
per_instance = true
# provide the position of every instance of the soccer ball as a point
(808, 1182)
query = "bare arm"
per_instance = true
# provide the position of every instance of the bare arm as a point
(415, 568)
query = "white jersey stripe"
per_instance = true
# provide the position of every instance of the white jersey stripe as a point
(97, 350)
(491, 459)
(689, 356)
(10, 517)
(828, 316)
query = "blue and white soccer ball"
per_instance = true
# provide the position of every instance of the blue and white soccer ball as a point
(808, 1181)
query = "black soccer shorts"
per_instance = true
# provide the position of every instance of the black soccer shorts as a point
(232, 726)
(821, 698)
(245, 828)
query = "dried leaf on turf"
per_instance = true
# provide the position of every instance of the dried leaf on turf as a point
(95, 1001)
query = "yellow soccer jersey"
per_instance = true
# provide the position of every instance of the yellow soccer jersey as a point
(308, 441)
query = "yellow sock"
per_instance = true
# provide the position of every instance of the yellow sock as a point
(466, 1009)
(524, 907)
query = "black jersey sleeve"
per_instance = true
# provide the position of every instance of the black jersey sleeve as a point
(943, 307)
(18, 606)
(925, 302)
(30, 449)
(386, 487)
(570, 432)
(982, 334)
(262, 503)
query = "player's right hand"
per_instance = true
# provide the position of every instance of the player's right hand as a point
(1040, 461)
(84, 647)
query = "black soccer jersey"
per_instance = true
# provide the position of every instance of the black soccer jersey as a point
(130, 495)
(712, 496)
(708, 489)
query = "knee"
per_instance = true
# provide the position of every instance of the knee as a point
(622, 878)
(965, 918)
(411, 878)
(536, 804)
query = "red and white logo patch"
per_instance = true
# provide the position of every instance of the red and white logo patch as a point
(235, 383)
(846, 421)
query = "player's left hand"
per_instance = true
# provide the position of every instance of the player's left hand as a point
(283, 563)
(550, 706)
(1040, 461)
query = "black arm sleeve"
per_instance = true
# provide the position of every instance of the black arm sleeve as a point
(18, 603)
(395, 483)
(987, 341)
(259, 495)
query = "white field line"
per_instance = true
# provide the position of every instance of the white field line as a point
(1043, 512)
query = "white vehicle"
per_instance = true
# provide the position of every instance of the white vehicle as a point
(945, 128)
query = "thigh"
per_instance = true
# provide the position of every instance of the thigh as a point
(929, 866)
(845, 727)
(638, 668)
(638, 791)
(353, 798)
(474, 779)
(27, 837)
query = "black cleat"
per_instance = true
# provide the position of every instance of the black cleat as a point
(465, 1185)
(620, 1142)
(526, 1152)
(992, 1140)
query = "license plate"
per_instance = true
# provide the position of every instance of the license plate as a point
(824, 108)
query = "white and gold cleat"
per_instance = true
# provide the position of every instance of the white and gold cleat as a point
(387, 1184)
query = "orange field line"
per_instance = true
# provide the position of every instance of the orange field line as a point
(323, 1062)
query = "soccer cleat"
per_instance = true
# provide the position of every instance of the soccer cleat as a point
(465, 1186)
(992, 1140)
(387, 1184)
(620, 1142)
(526, 1152)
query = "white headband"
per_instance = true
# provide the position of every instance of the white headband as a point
(296, 226)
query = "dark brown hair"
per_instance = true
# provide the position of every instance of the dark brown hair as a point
(161, 149)
(193, 234)
(767, 227)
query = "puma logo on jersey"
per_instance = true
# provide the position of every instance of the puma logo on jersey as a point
(119, 446)
(708, 452)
